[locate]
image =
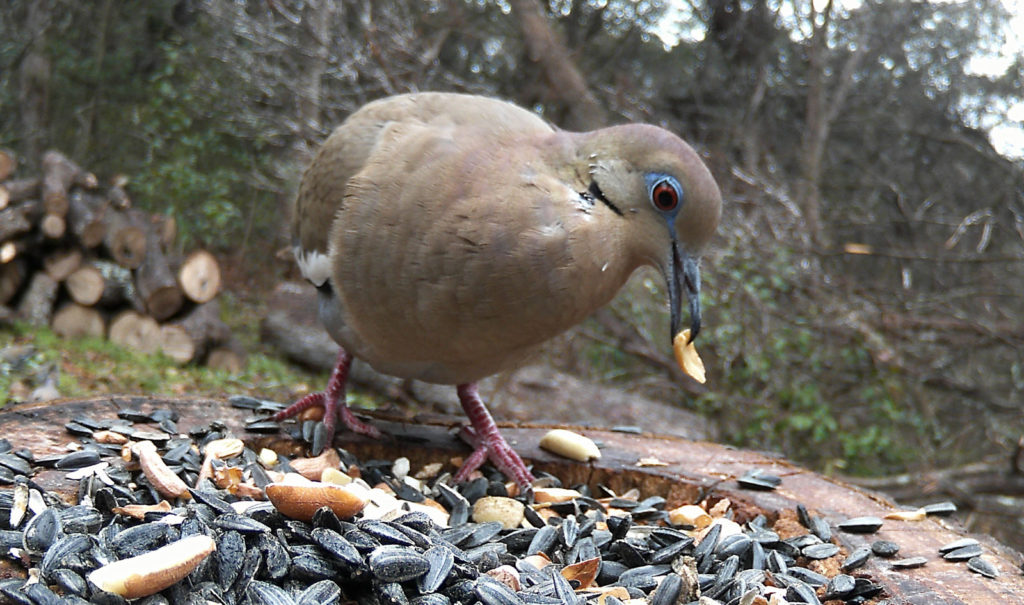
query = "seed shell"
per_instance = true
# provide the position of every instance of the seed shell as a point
(153, 571)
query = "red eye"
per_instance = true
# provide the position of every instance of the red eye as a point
(665, 196)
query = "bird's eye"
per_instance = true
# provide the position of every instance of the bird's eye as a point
(664, 196)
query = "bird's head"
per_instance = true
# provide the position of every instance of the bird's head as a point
(658, 184)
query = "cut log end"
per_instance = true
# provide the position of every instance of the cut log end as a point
(199, 276)
(53, 226)
(225, 359)
(127, 246)
(135, 331)
(85, 285)
(177, 344)
(76, 321)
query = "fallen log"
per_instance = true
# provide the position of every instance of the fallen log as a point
(199, 330)
(17, 190)
(135, 331)
(73, 320)
(18, 219)
(102, 283)
(61, 263)
(199, 276)
(689, 472)
(229, 358)
(36, 305)
(154, 280)
(124, 240)
(59, 173)
(86, 218)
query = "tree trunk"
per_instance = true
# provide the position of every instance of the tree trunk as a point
(34, 82)
(565, 82)
(821, 111)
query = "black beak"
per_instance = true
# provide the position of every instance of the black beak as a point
(684, 272)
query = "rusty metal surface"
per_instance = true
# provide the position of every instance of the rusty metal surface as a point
(691, 470)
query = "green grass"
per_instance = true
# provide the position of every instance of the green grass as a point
(94, 366)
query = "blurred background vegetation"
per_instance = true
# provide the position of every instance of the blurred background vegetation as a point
(863, 303)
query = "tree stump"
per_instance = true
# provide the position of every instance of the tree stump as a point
(687, 471)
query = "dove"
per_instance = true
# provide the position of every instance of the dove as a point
(450, 235)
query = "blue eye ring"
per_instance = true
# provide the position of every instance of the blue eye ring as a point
(665, 193)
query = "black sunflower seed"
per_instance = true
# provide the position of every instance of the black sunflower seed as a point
(885, 548)
(909, 563)
(861, 525)
(982, 566)
(396, 564)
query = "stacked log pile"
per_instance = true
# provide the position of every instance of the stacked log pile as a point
(81, 258)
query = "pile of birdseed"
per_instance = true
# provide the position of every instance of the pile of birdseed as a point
(418, 540)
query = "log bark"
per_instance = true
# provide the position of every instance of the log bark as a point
(166, 228)
(154, 281)
(19, 219)
(14, 221)
(545, 47)
(118, 197)
(135, 331)
(690, 472)
(18, 190)
(199, 277)
(203, 328)
(12, 274)
(102, 283)
(59, 173)
(8, 162)
(75, 321)
(59, 264)
(124, 240)
(86, 218)
(36, 305)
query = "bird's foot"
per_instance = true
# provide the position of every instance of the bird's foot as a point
(487, 442)
(332, 399)
(501, 455)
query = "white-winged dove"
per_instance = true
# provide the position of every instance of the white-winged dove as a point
(450, 235)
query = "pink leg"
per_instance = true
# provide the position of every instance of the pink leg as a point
(333, 401)
(487, 442)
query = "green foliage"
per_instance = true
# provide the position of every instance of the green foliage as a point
(191, 159)
(780, 384)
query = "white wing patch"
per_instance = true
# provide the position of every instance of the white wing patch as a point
(315, 266)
